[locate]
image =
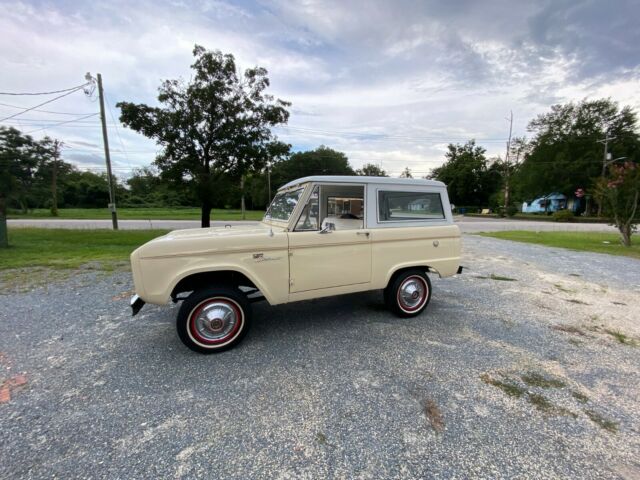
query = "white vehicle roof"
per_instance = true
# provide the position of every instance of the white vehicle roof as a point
(361, 179)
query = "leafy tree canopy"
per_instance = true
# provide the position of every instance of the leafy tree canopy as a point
(467, 174)
(216, 125)
(565, 153)
(321, 161)
(371, 170)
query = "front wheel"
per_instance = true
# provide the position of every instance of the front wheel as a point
(213, 319)
(408, 294)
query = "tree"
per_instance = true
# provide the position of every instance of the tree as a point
(17, 167)
(621, 193)
(469, 177)
(565, 153)
(215, 127)
(371, 170)
(321, 161)
(406, 173)
(48, 170)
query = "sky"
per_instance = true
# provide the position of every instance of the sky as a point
(386, 82)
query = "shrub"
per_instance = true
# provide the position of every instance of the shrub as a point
(512, 210)
(563, 216)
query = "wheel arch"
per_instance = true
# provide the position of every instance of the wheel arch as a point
(393, 274)
(236, 277)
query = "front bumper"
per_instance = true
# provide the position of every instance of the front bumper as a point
(136, 305)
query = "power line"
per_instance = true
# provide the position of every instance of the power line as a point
(47, 93)
(61, 123)
(41, 104)
(41, 111)
(117, 129)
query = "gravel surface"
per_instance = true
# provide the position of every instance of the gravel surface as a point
(498, 378)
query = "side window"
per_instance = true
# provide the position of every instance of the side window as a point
(310, 214)
(345, 207)
(409, 206)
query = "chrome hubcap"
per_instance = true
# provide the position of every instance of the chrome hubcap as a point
(412, 293)
(215, 321)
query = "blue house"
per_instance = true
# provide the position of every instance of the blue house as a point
(549, 203)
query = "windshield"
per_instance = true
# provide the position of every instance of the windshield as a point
(283, 205)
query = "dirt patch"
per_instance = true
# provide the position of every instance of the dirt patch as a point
(433, 414)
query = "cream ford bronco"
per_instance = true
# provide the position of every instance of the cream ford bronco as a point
(321, 236)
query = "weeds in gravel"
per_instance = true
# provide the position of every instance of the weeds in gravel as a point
(568, 329)
(433, 414)
(602, 422)
(535, 379)
(544, 405)
(581, 397)
(573, 300)
(497, 277)
(509, 388)
(621, 337)
(563, 289)
(321, 438)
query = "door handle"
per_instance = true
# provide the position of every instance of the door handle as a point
(363, 233)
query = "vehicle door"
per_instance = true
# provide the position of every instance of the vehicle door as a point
(329, 246)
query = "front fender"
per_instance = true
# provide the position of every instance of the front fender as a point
(269, 273)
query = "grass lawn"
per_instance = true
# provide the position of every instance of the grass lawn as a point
(176, 213)
(582, 241)
(60, 248)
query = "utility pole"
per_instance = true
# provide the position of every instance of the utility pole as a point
(54, 178)
(242, 207)
(605, 157)
(507, 176)
(105, 139)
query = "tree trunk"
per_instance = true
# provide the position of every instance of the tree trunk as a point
(205, 219)
(507, 192)
(4, 240)
(242, 205)
(54, 188)
(625, 234)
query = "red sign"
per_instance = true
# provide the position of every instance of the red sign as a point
(579, 193)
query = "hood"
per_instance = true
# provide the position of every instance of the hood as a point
(231, 231)
(215, 240)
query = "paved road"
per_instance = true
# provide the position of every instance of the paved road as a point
(467, 224)
(337, 387)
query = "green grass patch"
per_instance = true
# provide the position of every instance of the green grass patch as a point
(62, 248)
(580, 241)
(142, 213)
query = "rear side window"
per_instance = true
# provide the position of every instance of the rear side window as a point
(409, 206)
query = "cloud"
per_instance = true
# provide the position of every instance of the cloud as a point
(386, 82)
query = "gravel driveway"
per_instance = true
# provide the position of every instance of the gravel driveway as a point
(524, 366)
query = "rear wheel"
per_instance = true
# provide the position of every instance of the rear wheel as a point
(408, 294)
(213, 319)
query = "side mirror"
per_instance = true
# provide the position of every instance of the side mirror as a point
(328, 228)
